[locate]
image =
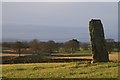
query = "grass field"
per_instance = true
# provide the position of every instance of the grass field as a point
(61, 70)
(79, 69)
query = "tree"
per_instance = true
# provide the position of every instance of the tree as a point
(47, 46)
(71, 46)
(18, 47)
(110, 44)
(117, 46)
(34, 45)
(84, 46)
(6, 45)
(42, 47)
(25, 45)
(51, 46)
(58, 47)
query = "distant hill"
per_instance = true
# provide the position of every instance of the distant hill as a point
(10, 40)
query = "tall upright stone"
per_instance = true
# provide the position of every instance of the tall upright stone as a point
(97, 41)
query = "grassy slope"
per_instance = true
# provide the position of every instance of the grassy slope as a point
(61, 70)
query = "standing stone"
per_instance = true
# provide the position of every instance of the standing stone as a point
(97, 40)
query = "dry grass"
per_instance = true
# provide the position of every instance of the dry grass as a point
(15, 55)
(114, 56)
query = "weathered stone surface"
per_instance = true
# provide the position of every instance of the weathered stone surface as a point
(97, 41)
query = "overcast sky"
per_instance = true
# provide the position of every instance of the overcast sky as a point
(57, 21)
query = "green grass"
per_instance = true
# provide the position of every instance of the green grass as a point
(61, 70)
(83, 51)
(78, 53)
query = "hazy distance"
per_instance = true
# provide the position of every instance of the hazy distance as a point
(59, 21)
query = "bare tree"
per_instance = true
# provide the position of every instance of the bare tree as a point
(71, 46)
(110, 44)
(34, 45)
(84, 46)
(18, 47)
(47, 46)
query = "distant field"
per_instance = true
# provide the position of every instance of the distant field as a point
(61, 70)
(14, 54)
(112, 56)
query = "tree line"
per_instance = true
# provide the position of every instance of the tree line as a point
(40, 47)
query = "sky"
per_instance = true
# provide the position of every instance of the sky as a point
(59, 21)
(60, 0)
(119, 22)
